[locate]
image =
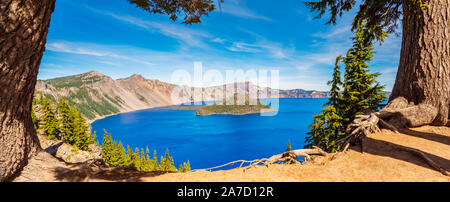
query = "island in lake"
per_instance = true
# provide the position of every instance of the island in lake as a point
(230, 106)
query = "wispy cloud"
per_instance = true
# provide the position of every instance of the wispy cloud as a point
(185, 35)
(236, 8)
(244, 47)
(335, 32)
(66, 48)
(92, 50)
(218, 40)
(262, 45)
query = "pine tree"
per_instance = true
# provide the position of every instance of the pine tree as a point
(129, 156)
(66, 121)
(50, 123)
(82, 136)
(327, 126)
(167, 163)
(361, 93)
(289, 148)
(184, 167)
(155, 162)
(34, 118)
(118, 157)
(187, 167)
(107, 147)
(137, 159)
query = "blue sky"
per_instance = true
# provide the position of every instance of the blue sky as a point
(118, 39)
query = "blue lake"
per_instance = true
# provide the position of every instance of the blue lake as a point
(208, 141)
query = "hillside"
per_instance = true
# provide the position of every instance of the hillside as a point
(97, 95)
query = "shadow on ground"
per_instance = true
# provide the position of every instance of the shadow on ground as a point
(399, 152)
(120, 174)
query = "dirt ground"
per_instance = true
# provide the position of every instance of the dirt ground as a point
(381, 161)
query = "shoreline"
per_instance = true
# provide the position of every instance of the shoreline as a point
(90, 121)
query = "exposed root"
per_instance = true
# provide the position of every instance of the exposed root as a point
(287, 157)
(362, 126)
(427, 159)
(397, 114)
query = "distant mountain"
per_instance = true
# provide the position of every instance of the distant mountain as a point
(96, 95)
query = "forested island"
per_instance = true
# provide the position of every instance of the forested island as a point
(230, 106)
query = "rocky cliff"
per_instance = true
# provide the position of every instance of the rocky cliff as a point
(96, 95)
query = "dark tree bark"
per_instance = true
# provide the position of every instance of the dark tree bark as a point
(23, 30)
(421, 93)
(422, 87)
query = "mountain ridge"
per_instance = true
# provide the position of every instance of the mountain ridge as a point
(97, 95)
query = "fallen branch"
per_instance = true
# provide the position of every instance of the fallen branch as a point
(289, 156)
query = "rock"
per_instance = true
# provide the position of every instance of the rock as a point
(69, 153)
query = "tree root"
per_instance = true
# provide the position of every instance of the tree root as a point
(287, 157)
(398, 113)
(427, 159)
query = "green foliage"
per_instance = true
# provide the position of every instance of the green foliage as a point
(65, 124)
(88, 101)
(114, 154)
(289, 147)
(381, 16)
(167, 162)
(34, 118)
(75, 81)
(185, 167)
(231, 106)
(192, 10)
(361, 94)
(50, 123)
(82, 100)
(81, 132)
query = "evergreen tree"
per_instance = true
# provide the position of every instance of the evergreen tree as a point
(289, 148)
(34, 119)
(82, 136)
(137, 159)
(107, 147)
(118, 157)
(361, 93)
(129, 155)
(327, 126)
(184, 167)
(167, 163)
(187, 167)
(155, 162)
(50, 123)
(66, 121)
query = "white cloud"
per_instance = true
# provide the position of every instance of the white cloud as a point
(66, 48)
(92, 50)
(244, 47)
(236, 8)
(337, 31)
(218, 40)
(185, 35)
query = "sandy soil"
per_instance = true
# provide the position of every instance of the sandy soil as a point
(381, 161)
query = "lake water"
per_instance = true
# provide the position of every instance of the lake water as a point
(208, 141)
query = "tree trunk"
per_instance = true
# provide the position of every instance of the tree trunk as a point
(421, 93)
(23, 32)
(422, 86)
